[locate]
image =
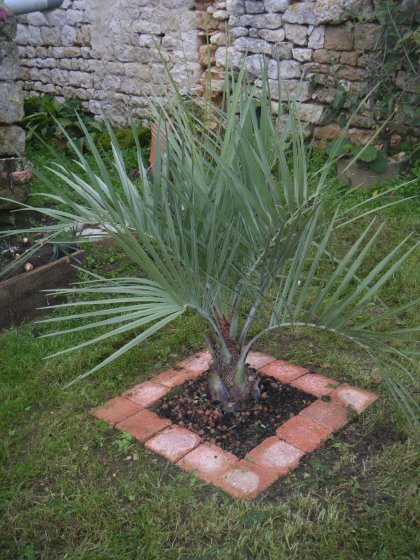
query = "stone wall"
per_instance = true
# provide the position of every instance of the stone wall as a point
(316, 48)
(13, 175)
(106, 52)
(12, 136)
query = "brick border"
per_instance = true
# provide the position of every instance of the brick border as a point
(276, 456)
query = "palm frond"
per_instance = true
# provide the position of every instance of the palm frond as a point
(230, 225)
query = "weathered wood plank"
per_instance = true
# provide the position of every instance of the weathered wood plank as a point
(21, 296)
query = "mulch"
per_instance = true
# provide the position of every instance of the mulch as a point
(239, 432)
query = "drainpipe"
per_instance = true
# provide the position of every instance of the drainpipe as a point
(19, 7)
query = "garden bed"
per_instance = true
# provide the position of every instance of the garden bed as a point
(22, 295)
(22, 289)
(324, 406)
(353, 497)
(237, 432)
(47, 254)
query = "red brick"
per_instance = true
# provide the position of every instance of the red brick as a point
(329, 414)
(317, 385)
(258, 360)
(143, 425)
(207, 461)
(173, 443)
(145, 394)
(173, 377)
(198, 363)
(283, 372)
(303, 433)
(353, 397)
(115, 410)
(245, 480)
(275, 454)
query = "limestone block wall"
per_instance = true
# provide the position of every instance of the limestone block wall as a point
(12, 136)
(106, 52)
(316, 48)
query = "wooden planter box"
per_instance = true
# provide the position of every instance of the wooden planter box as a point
(22, 295)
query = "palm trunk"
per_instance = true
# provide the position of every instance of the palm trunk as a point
(231, 381)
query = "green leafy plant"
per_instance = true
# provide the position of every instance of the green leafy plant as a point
(370, 155)
(392, 110)
(123, 443)
(231, 227)
(48, 119)
(165, 354)
(396, 51)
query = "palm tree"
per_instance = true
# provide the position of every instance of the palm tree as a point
(230, 226)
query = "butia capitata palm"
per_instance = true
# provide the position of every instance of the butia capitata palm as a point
(230, 226)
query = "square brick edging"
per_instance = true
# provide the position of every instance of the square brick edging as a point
(276, 456)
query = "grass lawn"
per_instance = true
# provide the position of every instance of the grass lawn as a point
(69, 492)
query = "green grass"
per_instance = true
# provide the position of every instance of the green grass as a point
(68, 491)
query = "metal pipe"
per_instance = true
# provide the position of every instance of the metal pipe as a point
(19, 7)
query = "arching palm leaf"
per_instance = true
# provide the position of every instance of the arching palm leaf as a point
(232, 227)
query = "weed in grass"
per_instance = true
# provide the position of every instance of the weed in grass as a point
(123, 443)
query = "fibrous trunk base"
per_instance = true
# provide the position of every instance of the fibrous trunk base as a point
(235, 390)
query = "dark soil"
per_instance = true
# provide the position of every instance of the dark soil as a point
(13, 246)
(44, 255)
(238, 432)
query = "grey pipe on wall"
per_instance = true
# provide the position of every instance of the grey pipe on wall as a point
(19, 7)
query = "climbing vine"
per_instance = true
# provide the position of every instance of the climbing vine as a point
(393, 67)
(392, 74)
